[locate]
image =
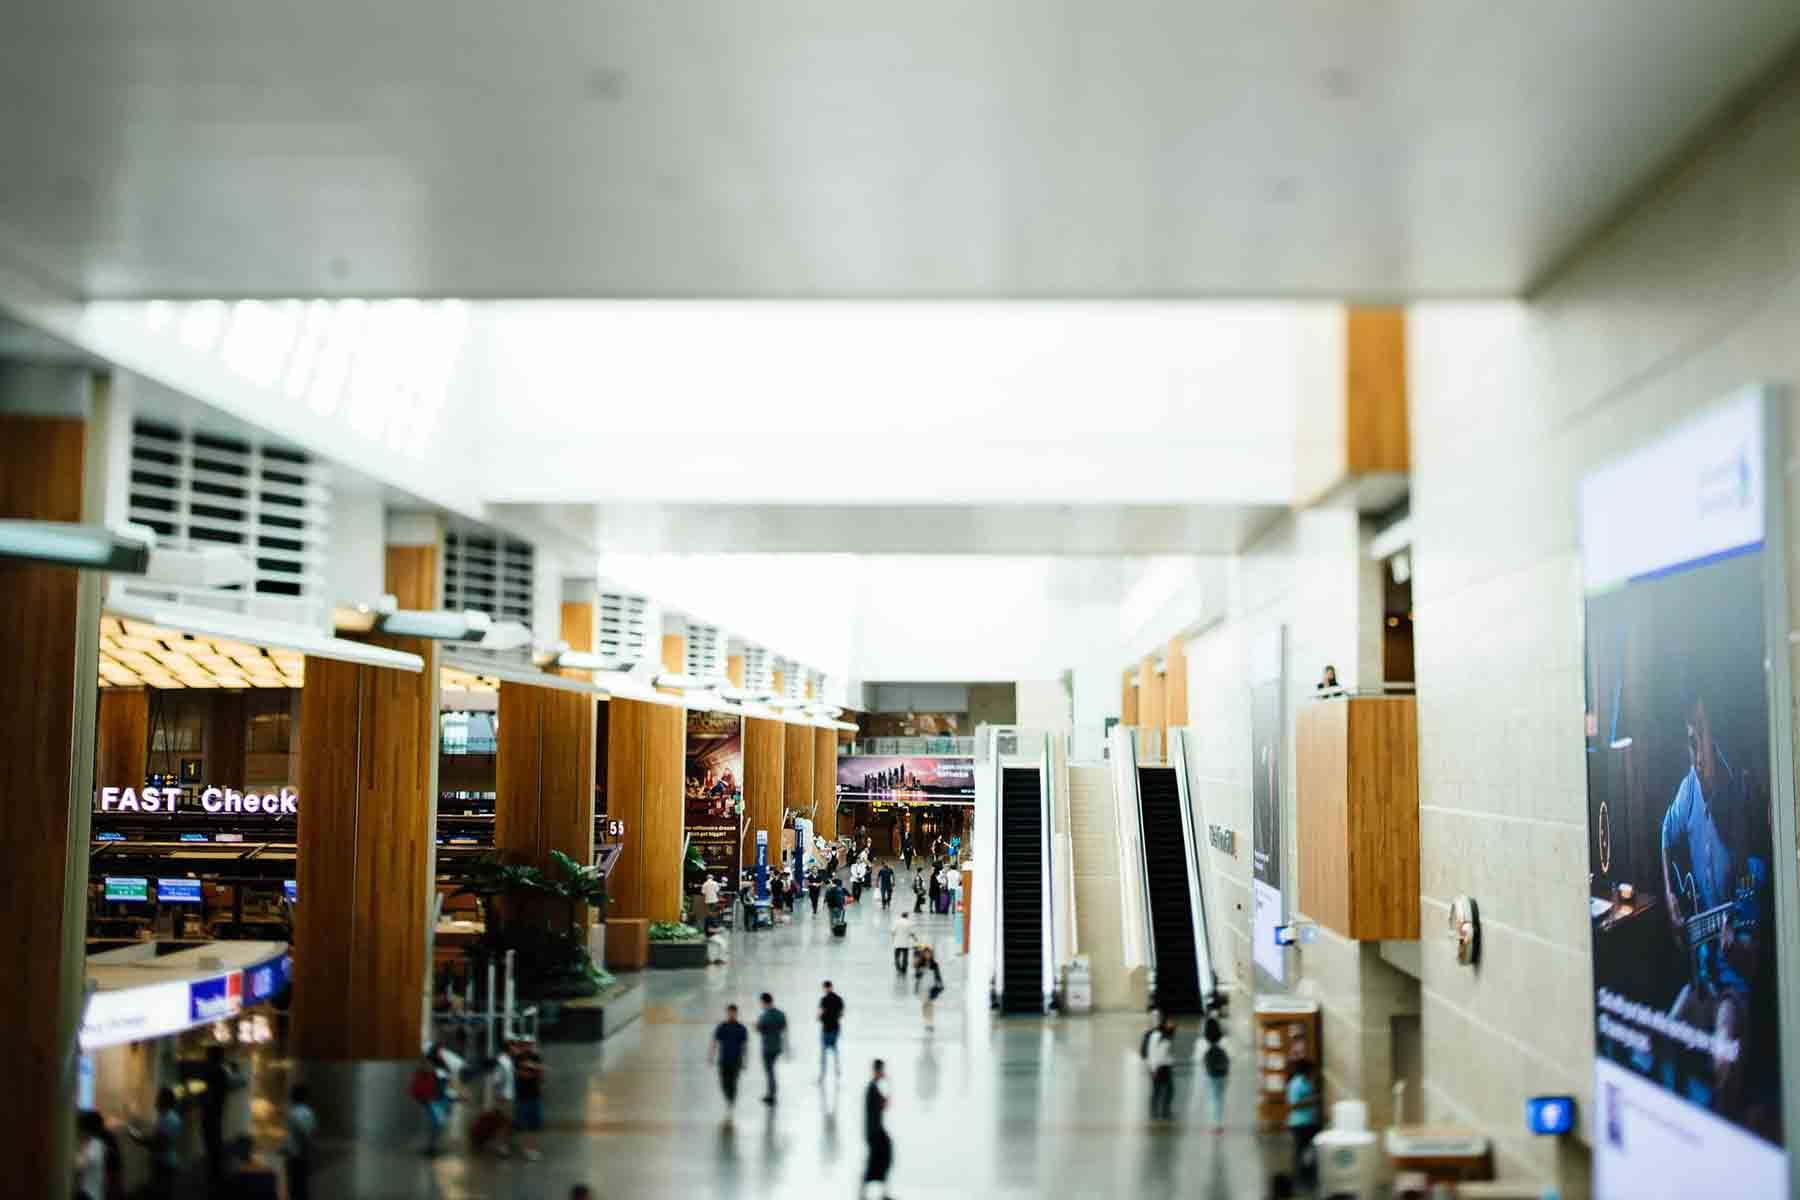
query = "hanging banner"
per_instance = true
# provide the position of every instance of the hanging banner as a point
(1267, 754)
(715, 789)
(900, 778)
(1683, 908)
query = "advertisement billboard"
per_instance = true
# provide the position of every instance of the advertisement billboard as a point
(1681, 809)
(900, 778)
(715, 789)
(1268, 720)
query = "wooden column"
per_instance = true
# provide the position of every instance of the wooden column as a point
(625, 724)
(366, 853)
(579, 628)
(228, 740)
(734, 669)
(122, 738)
(1175, 686)
(544, 774)
(764, 745)
(1128, 698)
(1151, 712)
(797, 769)
(47, 686)
(665, 767)
(825, 783)
(1357, 431)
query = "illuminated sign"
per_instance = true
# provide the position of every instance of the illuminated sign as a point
(134, 1014)
(291, 888)
(178, 891)
(217, 998)
(167, 800)
(265, 979)
(120, 887)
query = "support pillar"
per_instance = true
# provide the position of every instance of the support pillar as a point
(366, 869)
(764, 747)
(796, 777)
(122, 738)
(825, 783)
(544, 775)
(48, 681)
(646, 747)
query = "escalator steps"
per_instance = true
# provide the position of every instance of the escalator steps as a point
(1171, 917)
(1021, 867)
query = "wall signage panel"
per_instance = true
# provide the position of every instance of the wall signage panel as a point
(918, 778)
(1268, 723)
(1686, 790)
(166, 801)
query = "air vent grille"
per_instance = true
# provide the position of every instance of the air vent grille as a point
(200, 491)
(489, 574)
(705, 652)
(623, 621)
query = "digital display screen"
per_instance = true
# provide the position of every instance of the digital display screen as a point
(291, 889)
(178, 891)
(111, 835)
(120, 887)
(194, 837)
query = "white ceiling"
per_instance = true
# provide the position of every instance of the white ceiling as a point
(843, 148)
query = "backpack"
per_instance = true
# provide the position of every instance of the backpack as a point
(1144, 1046)
(424, 1086)
(1216, 1063)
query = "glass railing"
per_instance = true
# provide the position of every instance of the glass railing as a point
(910, 745)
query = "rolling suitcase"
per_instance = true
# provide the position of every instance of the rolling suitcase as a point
(839, 927)
(484, 1128)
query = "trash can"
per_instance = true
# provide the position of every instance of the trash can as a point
(1349, 1155)
(1078, 985)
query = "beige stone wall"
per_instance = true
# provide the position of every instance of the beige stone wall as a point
(1691, 296)
(1309, 574)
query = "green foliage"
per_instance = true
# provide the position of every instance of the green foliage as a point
(695, 861)
(551, 955)
(674, 931)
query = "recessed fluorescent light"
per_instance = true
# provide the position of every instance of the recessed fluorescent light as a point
(584, 660)
(435, 624)
(680, 682)
(207, 567)
(66, 544)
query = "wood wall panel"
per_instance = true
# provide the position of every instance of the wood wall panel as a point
(1175, 686)
(626, 720)
(665, 767)
(567, 790)
(43, 842)
(578, 625)
(825, 783)
(734, 669)
(1321, 744)
(1128, 698)
(1375, 416)
(674, 653)
(765, 744)
(797, 769)
(228, 740)
(122, 738)
(1384, 825)
(1358, 821)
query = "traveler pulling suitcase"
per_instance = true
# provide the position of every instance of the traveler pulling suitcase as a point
(839, 926)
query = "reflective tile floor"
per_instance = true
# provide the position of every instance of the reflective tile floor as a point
(982, 1107)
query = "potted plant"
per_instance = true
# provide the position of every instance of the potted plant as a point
(536, 914)
(673, 944)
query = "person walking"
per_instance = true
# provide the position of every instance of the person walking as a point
(918, 892)
(933, 989)
(727, 1050)
(443, 1067)
(1159, 1059)
(859, 873)
(164, 1143)
(90, 1155)
(1218, 1070)
(936, 885)
(831, 1017)
(709, 896)
(885, 878)
(771, 1027)
(881, 1146)
(297, 1149)
(835, 897)
(221, 1079)
(528, 1103)
(903, 935)
(1303, 1120)
(814, 885)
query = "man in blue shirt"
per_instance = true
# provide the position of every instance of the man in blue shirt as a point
(1717, 998)
(727, 1050)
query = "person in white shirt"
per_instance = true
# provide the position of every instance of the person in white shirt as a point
(709, 895)
(505, 1091)
(1159, 1060)
(297, 1150)
(90, 1160)
(903, 936)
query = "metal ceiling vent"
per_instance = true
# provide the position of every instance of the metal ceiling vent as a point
(793, 682)
(759, 670)
(624, 633)
(488, 573)
(206, 493)
(705, 652)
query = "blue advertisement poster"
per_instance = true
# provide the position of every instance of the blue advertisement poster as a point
(1688, 1090)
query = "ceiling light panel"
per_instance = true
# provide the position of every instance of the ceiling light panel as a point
(134, 654)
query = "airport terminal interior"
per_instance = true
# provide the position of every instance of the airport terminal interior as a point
(628, 600)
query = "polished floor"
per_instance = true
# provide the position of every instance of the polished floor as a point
(981, 1107)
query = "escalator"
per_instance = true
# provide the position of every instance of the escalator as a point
(1022, 881)
(1167, 883)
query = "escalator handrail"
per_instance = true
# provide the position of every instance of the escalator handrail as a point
(1206, 980)
(1047, 876)
(1124, 749)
